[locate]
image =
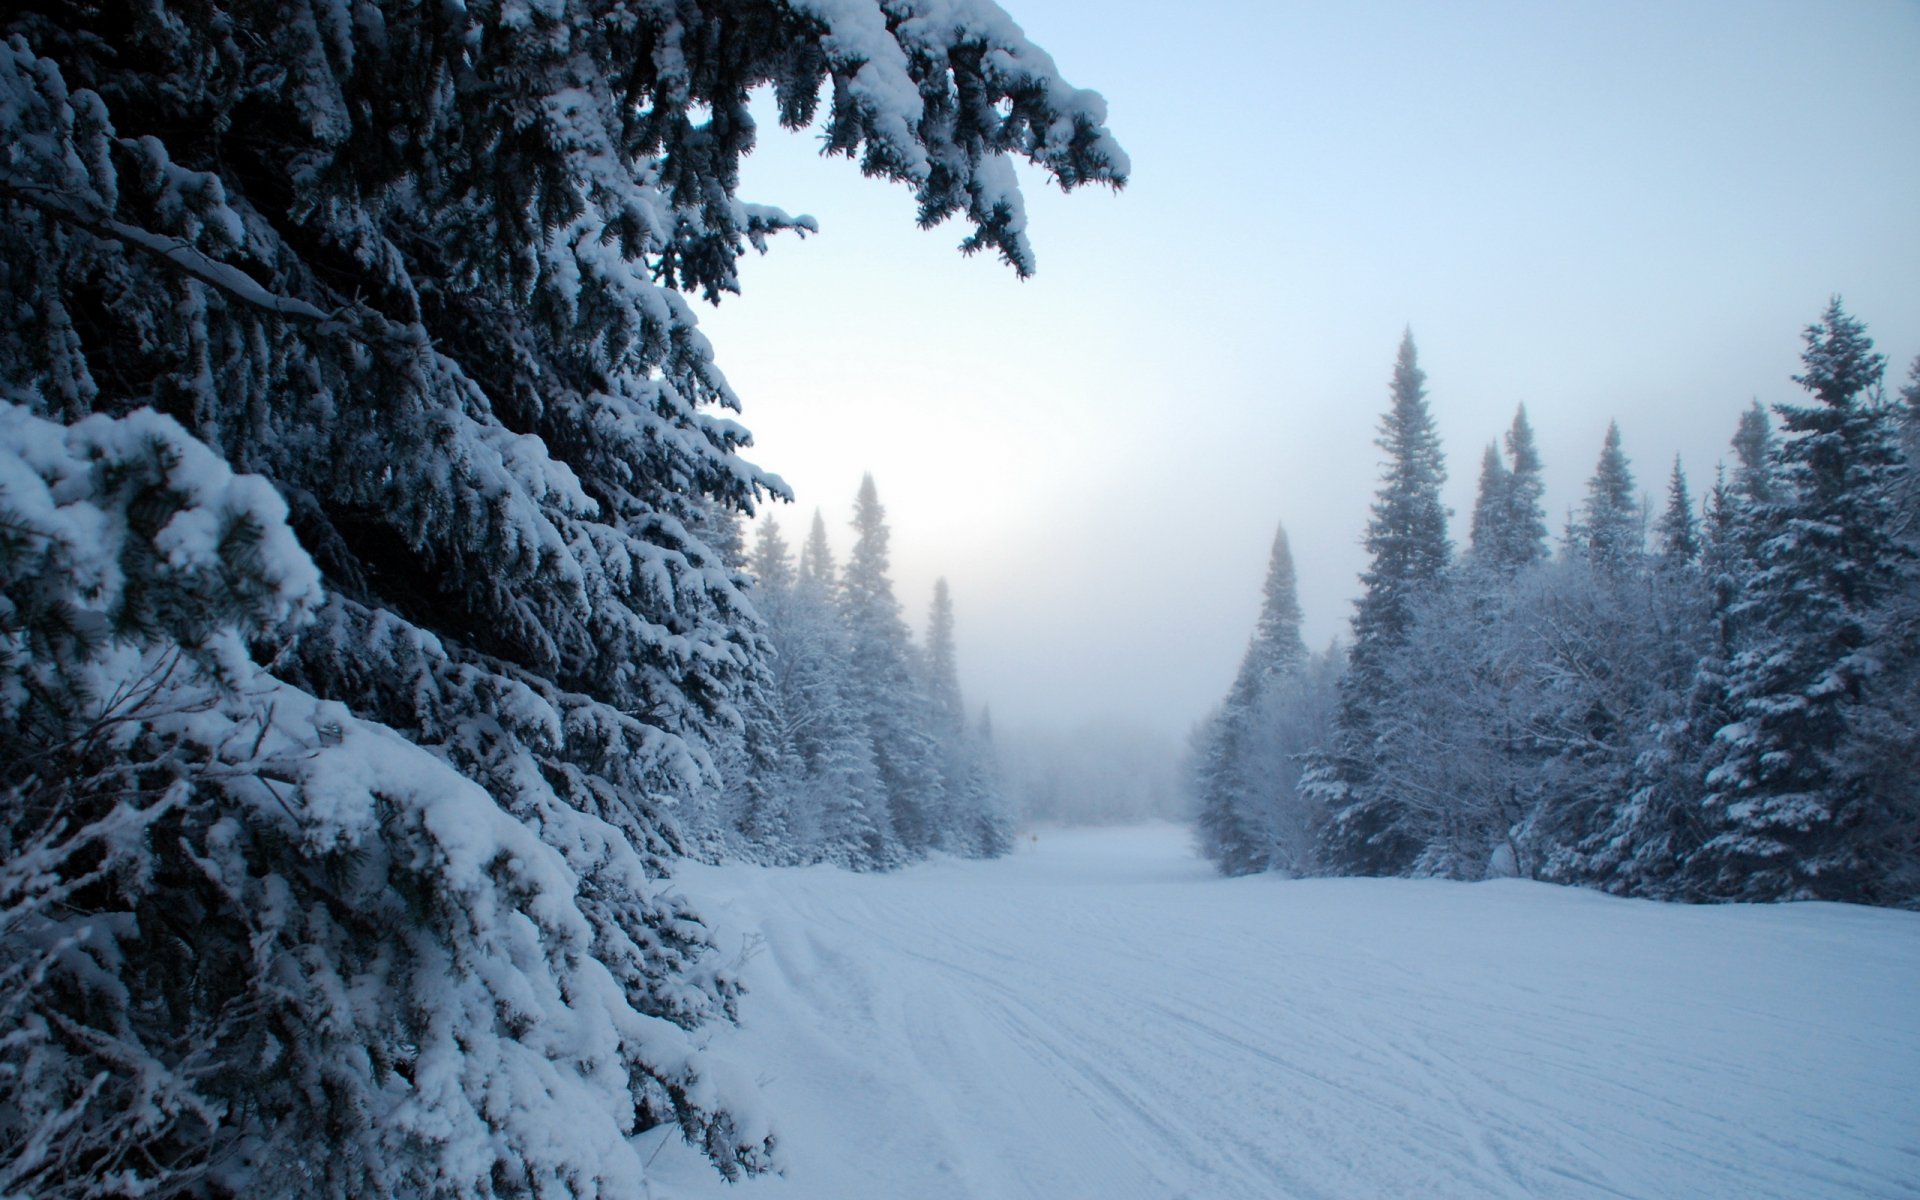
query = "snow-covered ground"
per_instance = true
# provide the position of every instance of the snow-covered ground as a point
(1100, 1016)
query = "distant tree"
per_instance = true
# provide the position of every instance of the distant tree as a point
(1525, 524)
(1679, 530)
(1489, 530)
(883, 680)
(1407, 541)
(1753, 447)
(943, 668)
(1797, 822)
(976, 818)
(1611, 531)
(1233, 781)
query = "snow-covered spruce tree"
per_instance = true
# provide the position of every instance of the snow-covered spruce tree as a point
(1234, 797)
(1754, 445)
(1678, 528)
(1526, 523)
(249, 943)
(1489, 508)
(842, 796)
(1885, 733)
(1611, 532)
(978, 820)
(422, 268)
(1407, 539)
(1793, 805)
(884, 682)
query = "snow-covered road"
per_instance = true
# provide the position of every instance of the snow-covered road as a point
(1100, 1016)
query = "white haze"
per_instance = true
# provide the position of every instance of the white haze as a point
(1620, 211)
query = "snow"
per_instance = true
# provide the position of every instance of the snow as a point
(1099, 1015)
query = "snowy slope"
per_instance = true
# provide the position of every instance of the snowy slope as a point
(1100, 1016)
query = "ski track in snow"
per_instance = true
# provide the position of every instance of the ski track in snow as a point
(1098, 1015)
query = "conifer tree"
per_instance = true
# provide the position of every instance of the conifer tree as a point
(1679, 530)
(423, 271)
(1235, 801)
(1611, 532)
(976, 820)
(1526, 522)
(882, 678)
(943, 669)
(1793, 807)
(1489, 532)
(1407, 539)
(1753, 446)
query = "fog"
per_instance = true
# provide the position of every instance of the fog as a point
(1623, 211)
(1097, 773)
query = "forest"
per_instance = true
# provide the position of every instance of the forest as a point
(389, 607)
(1714, 701)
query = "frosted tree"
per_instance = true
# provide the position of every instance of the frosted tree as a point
(1753, 446)
(977, 819)
(843, 796)
(424, 270)
(1234, 792)
(1611, 531)
(1489, 507)
(943, 667)
(1796, 822)
(1407, 541)
(883, 679)
(1678, 529)
(1524, 523)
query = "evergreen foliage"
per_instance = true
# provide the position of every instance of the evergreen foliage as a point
(360, 879)
(1611, 532)
(1245, 767)
(830, 799)
(1679, 529)
(1733, 717)
(1797, 819)
(1407, 541)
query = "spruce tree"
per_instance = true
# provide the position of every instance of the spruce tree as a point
(883, 679)
(422, 272)
(843, 799)
(1407, 540)
(1753, 446)
(1525, 524)
(1611, 532)
(943, 668)
(1678, 529)
(976, 819)
(1793, 808)
(1490, 507)
(1234, 800)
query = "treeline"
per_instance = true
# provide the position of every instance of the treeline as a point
(1719, 702)
(854, 747)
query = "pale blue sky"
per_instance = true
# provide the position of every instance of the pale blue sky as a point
(1608, 211)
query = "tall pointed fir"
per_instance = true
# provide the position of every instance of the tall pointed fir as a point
(1753, 447)
(883, 680)
(1235, 804)
(414, 277)
(1885, 734)
(1679, 529)
(1489, 508)
(1611, 531)
(976, 819)
(1407, 539)
(842, 801)
(1795, 810)
(1525, 525)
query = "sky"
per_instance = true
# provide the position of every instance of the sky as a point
(1605, 211)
